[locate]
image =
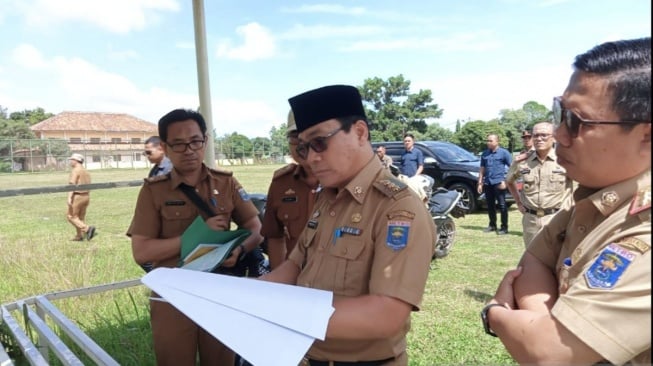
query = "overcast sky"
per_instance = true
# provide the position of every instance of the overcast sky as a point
(137, 56)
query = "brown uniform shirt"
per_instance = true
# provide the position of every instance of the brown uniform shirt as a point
(372, 237)
(289, 204)
(600, 250)
(546, 185)
(163, 211)
(79, 175)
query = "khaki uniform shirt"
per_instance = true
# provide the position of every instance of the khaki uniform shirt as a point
(600, 250)
(79, 175)
(546, 185)
(386, 161)
(372, 237)
(289, 204)
(163, 211)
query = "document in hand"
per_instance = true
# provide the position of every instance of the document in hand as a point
(275, 332)
(204, 249)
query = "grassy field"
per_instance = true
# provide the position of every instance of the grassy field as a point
(37, 258)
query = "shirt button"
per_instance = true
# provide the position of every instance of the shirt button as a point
(582, 228)
(285, 216)
(332, 213)
(176, 213)
(344, 251)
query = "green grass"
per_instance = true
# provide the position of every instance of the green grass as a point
(37, 258)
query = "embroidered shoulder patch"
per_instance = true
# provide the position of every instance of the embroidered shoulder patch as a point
(608, 267)
(158, 178)
(397, 237)
(243, 194)
(641, 201)
(390, 186)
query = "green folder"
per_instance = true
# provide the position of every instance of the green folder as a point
(199, 241)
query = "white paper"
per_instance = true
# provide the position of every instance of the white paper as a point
(266, 323)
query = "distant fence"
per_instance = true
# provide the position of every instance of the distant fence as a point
(35, 155)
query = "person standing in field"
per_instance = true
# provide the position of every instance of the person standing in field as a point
(164, 211)
(155, 154)
(289, 201)
(78, 200)
(581, 293)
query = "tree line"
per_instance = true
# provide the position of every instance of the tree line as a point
(391, 108)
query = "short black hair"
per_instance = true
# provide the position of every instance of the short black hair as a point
(180, 115)
(626, 65)
(154, 140)
(409, 135)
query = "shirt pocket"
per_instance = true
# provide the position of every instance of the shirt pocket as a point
(351, 266)
(175, 219)
(530, 183)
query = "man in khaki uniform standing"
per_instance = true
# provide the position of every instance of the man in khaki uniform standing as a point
(545, 183)
(369, 239)
(163, 212)
(289, 202)
(78, 200)
(582, 291)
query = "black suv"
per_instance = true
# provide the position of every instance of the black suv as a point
(450, 165)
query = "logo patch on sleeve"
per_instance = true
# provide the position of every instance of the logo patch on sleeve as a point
(243, 194)
(397, 237)
(608, 267)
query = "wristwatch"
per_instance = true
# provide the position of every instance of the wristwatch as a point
(486, 321)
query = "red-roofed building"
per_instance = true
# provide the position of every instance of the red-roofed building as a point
(104, 139)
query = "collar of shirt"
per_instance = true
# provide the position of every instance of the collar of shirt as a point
(624, 192)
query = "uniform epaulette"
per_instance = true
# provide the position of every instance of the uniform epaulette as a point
(641, 201)
(284, 170)
(157, 178)
(524, 156)
(390, 186)
(221, 171)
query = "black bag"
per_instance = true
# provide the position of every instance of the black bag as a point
(252, 264)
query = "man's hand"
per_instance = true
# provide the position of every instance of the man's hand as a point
(219, 222)
(479, 188)
(505, 294)
(233, 257)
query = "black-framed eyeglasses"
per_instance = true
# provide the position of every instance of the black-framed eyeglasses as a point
(318, 144)
(182, 146)
(572, 121)
(292, 138)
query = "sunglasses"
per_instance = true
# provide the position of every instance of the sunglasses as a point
(292, 138)
(572, 121)
(318, 144)
(147, 153)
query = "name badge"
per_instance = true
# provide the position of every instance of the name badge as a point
(175, 203)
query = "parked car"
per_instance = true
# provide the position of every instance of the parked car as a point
(451, 167)
(448, 164)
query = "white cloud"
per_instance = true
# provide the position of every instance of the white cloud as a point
(29, 57)
(473, 41)
(117, 16)
(258, 43)
(252, 118)
(481, 96)
(327, 8)
(300, 31)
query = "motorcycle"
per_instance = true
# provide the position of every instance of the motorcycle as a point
(442, 204)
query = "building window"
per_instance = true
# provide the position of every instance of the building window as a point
(75, 140)
(97, 158)
(137, 157)
(136, 140)
(115, 140)
(95, 140)
(117, 157)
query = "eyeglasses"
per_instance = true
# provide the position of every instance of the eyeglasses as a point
(182, 146)
(292, 138)
(147, 152)
(526, 137)
(542, 136)
(318, 144)
(572, 121)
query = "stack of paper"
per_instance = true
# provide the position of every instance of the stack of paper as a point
(266, 323)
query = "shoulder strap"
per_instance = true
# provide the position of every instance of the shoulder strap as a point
(193, 196)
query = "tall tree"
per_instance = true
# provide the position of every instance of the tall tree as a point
(473, 134)
(392, 110)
